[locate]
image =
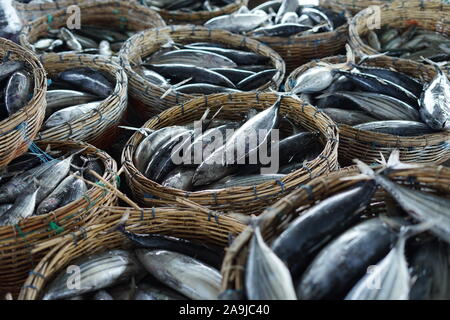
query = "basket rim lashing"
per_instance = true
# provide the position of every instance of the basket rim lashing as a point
(297, 50)
(98, 127)
(15, 241)
(32, 11)
(198, 17)
(149, 193)
(355, 6)
(276, 218)
(19, 129)
(100, 236)
(146, 97)
(126, 15)
(432, 15)
(366, 145)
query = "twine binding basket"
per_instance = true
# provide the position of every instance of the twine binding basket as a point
(365, 145)
(121, 15)
(355, 6)
(433, 15)
(178, 222)
(146, 97)
(99, 127)
(297, 50)
(18, 130)
(17, 258)
(278, 217)
(197, 17)
(246, 200)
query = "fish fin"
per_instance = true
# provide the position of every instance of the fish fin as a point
(366, 57)
(413, 230)
(364, 168)
(143, 131)
(436, 65)
(357, 177)
(395, 163)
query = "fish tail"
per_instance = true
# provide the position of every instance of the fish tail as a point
(436, 65)
(413, 230)
(364, 168)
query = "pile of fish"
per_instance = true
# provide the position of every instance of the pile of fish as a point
(377, 99)
(75, 93)
(340, 249)
(206, 68)
(187, 5)
(279, 19)
(411, 43)
(194, 158)
(30, 187)
(87, 39)
(16, 87)
(161, 268)
(10, 23)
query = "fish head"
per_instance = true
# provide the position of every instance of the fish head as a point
(436, 118)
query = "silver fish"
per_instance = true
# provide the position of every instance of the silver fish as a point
(396, 127)
(69, 114)
(287, 6)
(435, 102)
(158, 292)
(237, 22)
(314, 80)
(348, 117)
(96, 272)
(9, 67)
(103, 295)
(266, 276)
(244, 181)
(197, 57)
(70, 39)
(179, 178)
(182, 273)
(22, 208)
(57, 99)
(17, 92)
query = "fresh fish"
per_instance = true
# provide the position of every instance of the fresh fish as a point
(7, 68)
(435, 102)
(17, 92)
(286, 7)
(341, 263)
(180, 72)
(105, 48)
(237, 56)
(195, 57)
(89, 80)
(216, 166)
(280, 30)
(235, 75)
(237, 23)
(154, 78)
(22, 208)
(430, 268)
(206, 254)
(70, 39)
(69, 114)
(244, 181)
(397, 127)
(4, 208)
(314, 80)
(179, 178)
(204, 88)
(182, 273)
(158, 292)
(388, 35)
(257, 80)
(373, 40)
(348, 117)
(69, 190)
(96, 272)
(266, 276)
(153, 142)
(296, 148)
(307, 234)
(390, 278)
(57, 99)
(380, 106)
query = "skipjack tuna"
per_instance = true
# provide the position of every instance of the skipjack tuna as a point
(206, 68)
(88, 39)
(279, 19)
(29, 187)
(411, 43)
(160, 268)
(377, 99)
(16, 85)
(338, 249)
(187, 5)
(220, 154)
(75, 93)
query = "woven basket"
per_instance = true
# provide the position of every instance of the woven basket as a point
(365, 145)
(31, 11)
(124, 15)
(19, 129)
(177, 222)
(16, 258)
(355, 6)
(277, 218)
(100, 127)
(241, 199)
(431, 15)
(146, 97)
(198, 17)
(297, 50)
